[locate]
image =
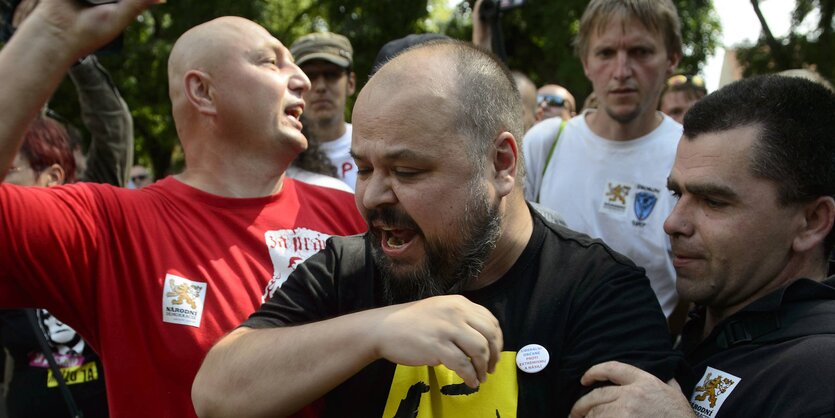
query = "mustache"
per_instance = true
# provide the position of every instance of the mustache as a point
(391, 217)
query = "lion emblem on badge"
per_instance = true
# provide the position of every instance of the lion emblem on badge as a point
(184, 293)
(711, 388)
(618, 193)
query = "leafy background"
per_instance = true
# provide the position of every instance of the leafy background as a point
(538, 38)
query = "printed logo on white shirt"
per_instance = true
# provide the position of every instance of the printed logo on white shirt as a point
(182, 300)
(645, 200)
(615, 198)
(710, 394)
(288, 248)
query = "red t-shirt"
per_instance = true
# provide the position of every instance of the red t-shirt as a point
(153, 277)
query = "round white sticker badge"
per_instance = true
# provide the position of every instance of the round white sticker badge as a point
(532, 358)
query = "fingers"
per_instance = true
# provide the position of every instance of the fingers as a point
(612, 371)
(488, 326)
(481, 341)
(456, 359)
(592, 400)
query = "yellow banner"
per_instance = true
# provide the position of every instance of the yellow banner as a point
(73, 375)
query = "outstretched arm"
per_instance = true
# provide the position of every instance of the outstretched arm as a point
(481, 30)
(107, 117)
(36, 58)
(634, 393)
(240, 374)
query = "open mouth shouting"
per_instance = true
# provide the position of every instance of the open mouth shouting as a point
(396, 240)
(396, 233)
(294, 113)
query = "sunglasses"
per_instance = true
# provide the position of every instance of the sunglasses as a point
(551, 100)
(681, 79)
(138, 177)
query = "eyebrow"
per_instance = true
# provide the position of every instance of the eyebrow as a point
(398, 154)
(704, 189)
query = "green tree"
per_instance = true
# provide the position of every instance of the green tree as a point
(538, 35)
(796, 49)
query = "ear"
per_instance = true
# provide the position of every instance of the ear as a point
(673, 60)
(819, 217)
(51, 176)
(505, 163)
(199, 91)
(352, 83)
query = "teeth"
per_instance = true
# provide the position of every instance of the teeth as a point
(294, 112)
(395, 242)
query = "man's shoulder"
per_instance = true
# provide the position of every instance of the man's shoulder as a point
(580, 247)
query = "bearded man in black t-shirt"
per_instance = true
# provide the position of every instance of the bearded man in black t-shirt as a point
(461, 300)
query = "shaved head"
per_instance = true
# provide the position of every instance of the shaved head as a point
(464, 89)
(204, 48)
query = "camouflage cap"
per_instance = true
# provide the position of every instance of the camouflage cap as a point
(331, 47)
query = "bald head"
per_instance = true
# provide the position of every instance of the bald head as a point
(455, 82)
(555, 101)
(205, 47)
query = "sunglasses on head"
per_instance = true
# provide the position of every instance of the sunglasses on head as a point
(681, 79)
(553, 100)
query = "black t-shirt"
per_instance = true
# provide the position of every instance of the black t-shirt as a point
(572, 295)
(783, 372)
(33, 392)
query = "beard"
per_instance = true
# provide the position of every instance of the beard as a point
(448, 265)
(626, 118)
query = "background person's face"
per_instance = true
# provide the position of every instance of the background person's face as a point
(330, 86)
(676, 103)
(627, 65)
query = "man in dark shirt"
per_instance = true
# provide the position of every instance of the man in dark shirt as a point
(751, 235)
(457, 278)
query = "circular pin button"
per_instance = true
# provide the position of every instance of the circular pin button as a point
(532, 358)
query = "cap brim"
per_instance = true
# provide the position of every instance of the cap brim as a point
(334, 59)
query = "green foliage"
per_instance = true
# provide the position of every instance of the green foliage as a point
(538, 36)
(813, 50)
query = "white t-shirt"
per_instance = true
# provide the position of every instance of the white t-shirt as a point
(339, 152)
(317, 179)
(613, 190)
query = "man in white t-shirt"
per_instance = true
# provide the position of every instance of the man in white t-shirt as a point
(327, 60)
(605, 171)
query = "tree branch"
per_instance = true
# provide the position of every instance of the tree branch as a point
(777, 51)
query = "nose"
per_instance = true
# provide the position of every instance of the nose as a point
(680, 221)
(374, 190)
(317, 83)
(623, 69)
(298, 80)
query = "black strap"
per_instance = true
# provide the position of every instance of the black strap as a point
(56, 371)
(802, 319)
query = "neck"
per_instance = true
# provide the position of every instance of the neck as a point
(801, 266)
(229, 172)
(517, 228)
(327, 130)
(603, 125)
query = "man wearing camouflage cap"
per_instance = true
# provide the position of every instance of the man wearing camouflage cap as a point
(327, 59)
